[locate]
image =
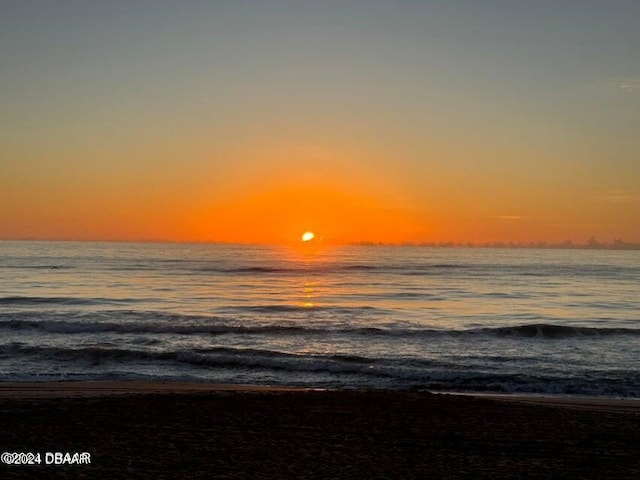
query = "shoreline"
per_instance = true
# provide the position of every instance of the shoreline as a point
(99, 388)
(612, 404)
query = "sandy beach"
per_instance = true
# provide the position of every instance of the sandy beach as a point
(181, 430)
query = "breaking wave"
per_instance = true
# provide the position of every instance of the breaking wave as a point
(214, 326)
(343, 369)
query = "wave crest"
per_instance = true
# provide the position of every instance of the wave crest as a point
(150, 323)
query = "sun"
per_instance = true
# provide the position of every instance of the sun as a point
(308, 236)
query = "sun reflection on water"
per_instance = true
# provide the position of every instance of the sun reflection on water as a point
(309, 295)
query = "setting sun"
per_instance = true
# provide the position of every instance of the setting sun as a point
(308, 236)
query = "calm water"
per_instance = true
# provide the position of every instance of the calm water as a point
(544, 321)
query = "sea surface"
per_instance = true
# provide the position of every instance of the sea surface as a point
(459, 319)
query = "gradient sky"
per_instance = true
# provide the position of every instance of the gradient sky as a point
(253, 121)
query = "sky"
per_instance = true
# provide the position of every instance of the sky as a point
(384, 121)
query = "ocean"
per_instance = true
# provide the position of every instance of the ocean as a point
(443, 319)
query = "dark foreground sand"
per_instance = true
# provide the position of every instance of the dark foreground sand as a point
(180, 431)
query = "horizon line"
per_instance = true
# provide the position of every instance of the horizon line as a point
(591, 244)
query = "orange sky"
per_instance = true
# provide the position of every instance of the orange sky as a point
(253, 122)
(281, 215)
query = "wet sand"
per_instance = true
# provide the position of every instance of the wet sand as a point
(177, 430)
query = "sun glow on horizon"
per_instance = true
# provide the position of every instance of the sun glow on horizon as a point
(308, 236)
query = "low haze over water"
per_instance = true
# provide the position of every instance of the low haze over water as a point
(462, 319)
